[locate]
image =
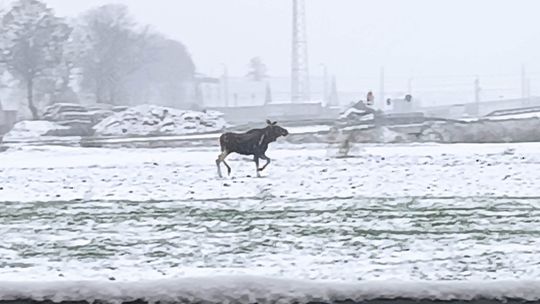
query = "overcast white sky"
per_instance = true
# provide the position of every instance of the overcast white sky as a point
(352, 37)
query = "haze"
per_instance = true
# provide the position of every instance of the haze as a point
(421, 39)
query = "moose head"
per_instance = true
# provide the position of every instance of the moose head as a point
(276, 130)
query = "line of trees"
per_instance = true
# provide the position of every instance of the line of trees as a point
(104, 56)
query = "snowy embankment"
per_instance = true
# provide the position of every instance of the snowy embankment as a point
(249, 290)
(489, 130)
(146, 120)
(26, 131)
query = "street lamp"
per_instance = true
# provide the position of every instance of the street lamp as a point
(225, 83)
(325, 82)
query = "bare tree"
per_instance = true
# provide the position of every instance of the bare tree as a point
(32, 44)
(114, 48)
(163, 80)
(257, 69)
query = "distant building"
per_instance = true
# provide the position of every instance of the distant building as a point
(278, 111)
(406, 104)
(242, 91)
(243, 100)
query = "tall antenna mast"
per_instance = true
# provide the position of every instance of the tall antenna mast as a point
(299, 73)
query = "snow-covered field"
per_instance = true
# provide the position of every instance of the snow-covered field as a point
(418, 212)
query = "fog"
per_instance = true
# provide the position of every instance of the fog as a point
(434, 49)
(415, 38)
(441, 52)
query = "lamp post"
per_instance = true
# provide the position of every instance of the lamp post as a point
(225, 84)
(325, 82)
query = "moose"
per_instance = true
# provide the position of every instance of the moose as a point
(253, 142)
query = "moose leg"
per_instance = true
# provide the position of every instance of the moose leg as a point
(267, 162)
(228, 167)
(256, 160)
(221, 159)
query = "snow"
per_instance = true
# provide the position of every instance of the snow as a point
(308, 129)
(69, 113)
(352, 112)
(250, 289)
(155, 120)
(53, 111)
(515, 116)
(31, 130)
(393, 163)
(528, 115)
(411, 212)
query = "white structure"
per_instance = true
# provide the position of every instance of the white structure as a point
(242, 91)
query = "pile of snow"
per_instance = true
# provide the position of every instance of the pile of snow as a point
(247, 290)
(70, 113)
(156, 120)
(56, 111)
(33, 130)
(353, 113)
(358, 112)
(78, 117)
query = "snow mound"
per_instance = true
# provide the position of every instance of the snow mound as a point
(353, 112)
(32, 130)
(359, 111)
(54, 112)
(156, 120)
(246, 290)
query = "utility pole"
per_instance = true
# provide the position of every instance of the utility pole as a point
(225, 83)
(525, 86)
(299, 68)
(477, 90)
(523, 83)
(528, 84)
(409, 85)
(325, 84)
(381, 90)
(333, 98)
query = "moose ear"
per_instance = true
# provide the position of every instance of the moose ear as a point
(274, 123)
(268, 121)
